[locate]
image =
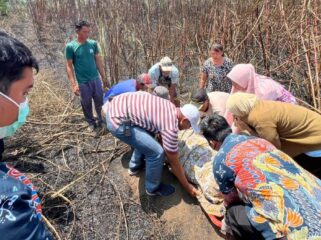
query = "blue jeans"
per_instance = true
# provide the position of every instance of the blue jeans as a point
(144, 144)
(91, 90)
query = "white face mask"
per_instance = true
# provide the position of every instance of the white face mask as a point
(8, 131)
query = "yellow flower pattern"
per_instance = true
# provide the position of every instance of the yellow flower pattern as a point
(196, 157)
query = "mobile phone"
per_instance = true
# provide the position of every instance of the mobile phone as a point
(127, 127)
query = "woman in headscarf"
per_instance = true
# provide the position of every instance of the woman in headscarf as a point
(245, 79)
(266, 194)
(292, 128)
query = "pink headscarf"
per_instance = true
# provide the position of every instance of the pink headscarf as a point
(263, 87)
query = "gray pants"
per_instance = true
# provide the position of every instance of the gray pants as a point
(91, 90)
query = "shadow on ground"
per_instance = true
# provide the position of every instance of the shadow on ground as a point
(180, 212)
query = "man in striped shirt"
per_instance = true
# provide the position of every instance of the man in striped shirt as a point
(149, 115)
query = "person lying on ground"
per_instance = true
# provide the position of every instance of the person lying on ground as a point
(141, 83)
(196, 157)
(213, 73)
(291, 128)
(20, 214)
(165, 74)
(209, 103)
(134, 118)
(245, 79)
(266, 193)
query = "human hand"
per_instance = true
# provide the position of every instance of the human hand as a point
(193, 191)
(231, 198)
(159, 138)
(203, 114)
(76, 90)
(106, 84)
(177, 102)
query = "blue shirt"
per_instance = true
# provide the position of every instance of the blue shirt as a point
(119, 88)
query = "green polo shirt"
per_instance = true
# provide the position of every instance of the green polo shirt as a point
(83, 58)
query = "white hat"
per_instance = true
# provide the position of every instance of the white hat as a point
(166, 64)
(192, 114)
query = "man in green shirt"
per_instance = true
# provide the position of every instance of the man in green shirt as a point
(83, 64)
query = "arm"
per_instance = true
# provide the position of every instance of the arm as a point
(71, 77)
(203, 80)
(202, 114)
(242, 126)
(172, 92)
(101, 70)
(153, 75)
(178, 171)
(269, 133)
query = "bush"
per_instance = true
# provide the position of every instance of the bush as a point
(4, 7)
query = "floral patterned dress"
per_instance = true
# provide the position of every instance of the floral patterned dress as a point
(281, 198)
(217, 80)
(196, 157)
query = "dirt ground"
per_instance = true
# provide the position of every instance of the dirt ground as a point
(86, 192)
(180, 212)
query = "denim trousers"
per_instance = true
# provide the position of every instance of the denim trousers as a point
(145, 145)
(91, 90)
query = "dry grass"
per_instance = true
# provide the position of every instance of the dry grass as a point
(82, 198)
(282, 38)
(50, 98)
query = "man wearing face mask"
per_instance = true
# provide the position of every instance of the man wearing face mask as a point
(20, 209)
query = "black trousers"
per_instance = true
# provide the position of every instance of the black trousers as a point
(237, 220)
(1, 148)
(312, 164)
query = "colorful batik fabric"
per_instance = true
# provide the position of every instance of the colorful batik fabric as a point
(282, 199)
(196, 157)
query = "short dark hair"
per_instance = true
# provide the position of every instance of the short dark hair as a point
(217, 48)
(81, 23)
(215, 127)
(199, 95)
(14, 57)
